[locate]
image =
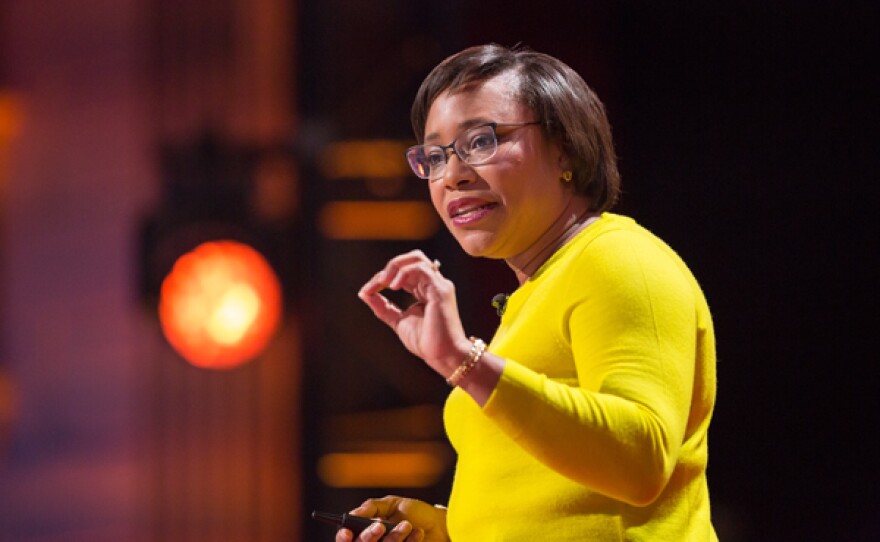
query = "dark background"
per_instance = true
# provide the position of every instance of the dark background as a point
(746, 134)
(745, 142)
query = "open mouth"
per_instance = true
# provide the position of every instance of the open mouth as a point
(469, 212)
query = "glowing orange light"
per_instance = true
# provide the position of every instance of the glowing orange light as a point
(395, 466)
(220, 304)
(409, 220)
(364, 158)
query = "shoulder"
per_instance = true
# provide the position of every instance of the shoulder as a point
(617, 253)
(616, 241)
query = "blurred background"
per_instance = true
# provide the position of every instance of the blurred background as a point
(242, 159)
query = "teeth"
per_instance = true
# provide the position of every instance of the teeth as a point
(462, 212)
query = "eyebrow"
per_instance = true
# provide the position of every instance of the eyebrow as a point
(462, 126)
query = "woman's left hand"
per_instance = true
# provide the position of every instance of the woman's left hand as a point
(431, 327)
(416, 521)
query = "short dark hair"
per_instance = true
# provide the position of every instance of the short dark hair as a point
(567, 107)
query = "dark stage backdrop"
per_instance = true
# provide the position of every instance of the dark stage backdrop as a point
(744, 140)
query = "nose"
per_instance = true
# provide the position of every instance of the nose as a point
(457, 172)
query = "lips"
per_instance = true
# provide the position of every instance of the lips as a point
(468, 210)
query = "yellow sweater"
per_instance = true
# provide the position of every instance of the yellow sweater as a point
(597, 428)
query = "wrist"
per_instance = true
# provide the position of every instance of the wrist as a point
(466, 365)
(446, 364)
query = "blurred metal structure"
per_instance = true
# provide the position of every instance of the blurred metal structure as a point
(373, 411)
(224, 443)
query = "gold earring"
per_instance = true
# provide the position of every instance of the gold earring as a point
(566, 176)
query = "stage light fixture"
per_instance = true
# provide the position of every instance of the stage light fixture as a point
(220, 305)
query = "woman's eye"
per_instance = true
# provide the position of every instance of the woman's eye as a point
(434, 158)
(480, 141)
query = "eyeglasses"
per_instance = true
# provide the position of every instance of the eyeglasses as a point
(475, 146)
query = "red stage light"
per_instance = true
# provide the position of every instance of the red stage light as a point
(220, 304)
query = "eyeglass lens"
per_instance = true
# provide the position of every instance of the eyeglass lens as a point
(474, 146)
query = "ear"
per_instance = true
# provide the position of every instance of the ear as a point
(562, 158)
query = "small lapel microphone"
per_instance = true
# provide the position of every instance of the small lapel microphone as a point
(500, 303)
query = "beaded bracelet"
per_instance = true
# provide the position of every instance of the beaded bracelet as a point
(477, 349)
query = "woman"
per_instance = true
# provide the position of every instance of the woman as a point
(586, 417)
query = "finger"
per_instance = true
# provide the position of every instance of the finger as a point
(367, 509)
(384, 508)
(411, 273)
(372, 533)
(394, 265)
(412, 255)
(386, 277)
(389, 279)
(344, 535)
(377, 283)
(399, 533)
(417, 278)
(383, 308)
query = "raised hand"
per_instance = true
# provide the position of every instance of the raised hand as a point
(431, 327)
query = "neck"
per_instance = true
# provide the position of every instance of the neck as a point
(574, 218)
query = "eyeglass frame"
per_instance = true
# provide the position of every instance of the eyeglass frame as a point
(446, 148)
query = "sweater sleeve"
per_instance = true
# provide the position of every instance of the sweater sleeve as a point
(626, 307)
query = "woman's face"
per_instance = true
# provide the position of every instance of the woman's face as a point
(498, 209)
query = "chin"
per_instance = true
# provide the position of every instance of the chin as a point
(477, 244)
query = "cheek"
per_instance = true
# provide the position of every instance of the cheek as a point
(437, 199)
